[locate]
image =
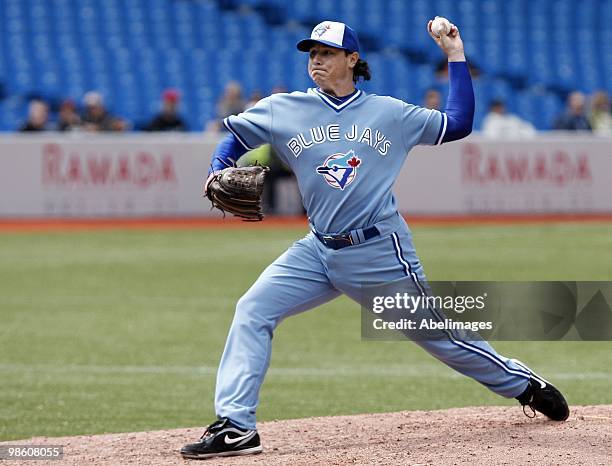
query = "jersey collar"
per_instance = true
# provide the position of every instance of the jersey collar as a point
(336, 104)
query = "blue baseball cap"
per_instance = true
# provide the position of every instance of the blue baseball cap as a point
(332, 34)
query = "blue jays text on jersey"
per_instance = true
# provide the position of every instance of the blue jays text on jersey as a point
(320, 134)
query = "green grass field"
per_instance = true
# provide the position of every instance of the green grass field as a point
(122, 330)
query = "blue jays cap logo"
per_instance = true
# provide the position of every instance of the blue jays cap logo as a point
(339, 170)
(322, 29)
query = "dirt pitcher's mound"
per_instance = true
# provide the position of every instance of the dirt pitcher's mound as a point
(486, 435)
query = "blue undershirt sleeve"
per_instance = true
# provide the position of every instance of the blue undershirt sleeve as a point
(460, 103)
(226, 154)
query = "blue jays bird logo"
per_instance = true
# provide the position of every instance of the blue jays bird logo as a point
(339, 170)
(322, 29)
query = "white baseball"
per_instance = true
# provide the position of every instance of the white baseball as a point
(440, 26)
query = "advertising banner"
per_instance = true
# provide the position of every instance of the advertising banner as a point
(140, 175)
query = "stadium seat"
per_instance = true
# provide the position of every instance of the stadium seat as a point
(131, 51)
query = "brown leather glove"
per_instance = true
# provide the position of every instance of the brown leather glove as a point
(237, 190)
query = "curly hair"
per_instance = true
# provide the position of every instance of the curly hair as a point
(361, 70)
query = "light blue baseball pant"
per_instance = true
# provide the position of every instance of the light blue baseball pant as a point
(309, 274)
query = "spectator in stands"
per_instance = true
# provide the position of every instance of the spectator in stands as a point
(255, 97)
(279, 88)
(498, 123)
(97, 118)
(38, 117)
(168, 118)
(574, 118)
(232, 102)
(600, 118)
(68, 117)
(432, 99)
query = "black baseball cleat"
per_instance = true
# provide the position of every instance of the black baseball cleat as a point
(223, 438)
(541, 396)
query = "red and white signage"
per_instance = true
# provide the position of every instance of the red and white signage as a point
(153, 175)
(543, 175)
(104, 176)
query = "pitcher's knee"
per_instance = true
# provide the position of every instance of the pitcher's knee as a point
(251, 314)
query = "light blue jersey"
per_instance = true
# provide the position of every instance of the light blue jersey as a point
(345, 156)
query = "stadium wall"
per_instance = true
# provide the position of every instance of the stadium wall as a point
(85, 176)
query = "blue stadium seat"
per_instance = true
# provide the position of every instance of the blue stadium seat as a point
(530, 53)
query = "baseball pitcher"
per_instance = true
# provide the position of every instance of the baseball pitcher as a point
(346, 148)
